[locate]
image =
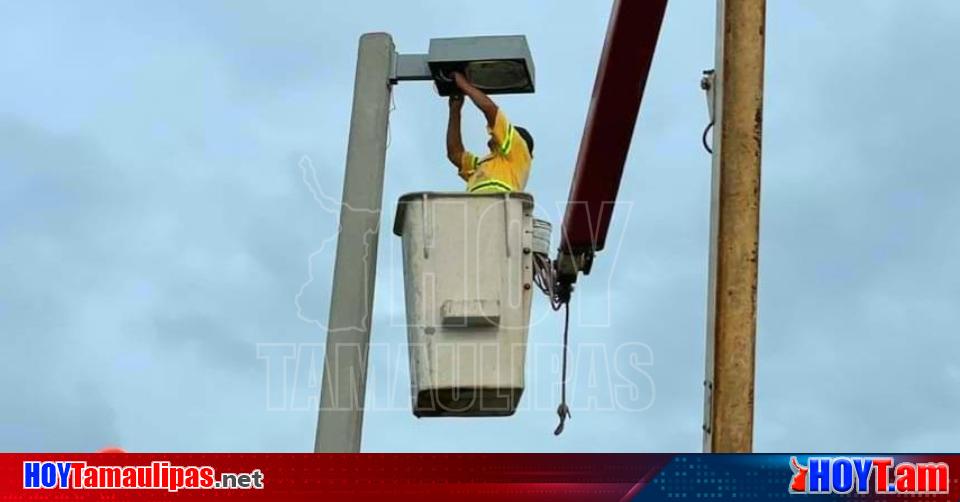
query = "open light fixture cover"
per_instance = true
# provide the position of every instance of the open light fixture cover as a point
(493, 76)
(495, 64)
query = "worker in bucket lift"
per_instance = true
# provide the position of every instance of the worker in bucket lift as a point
(507, 166)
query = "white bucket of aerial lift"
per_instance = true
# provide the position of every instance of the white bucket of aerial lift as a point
(467, 263)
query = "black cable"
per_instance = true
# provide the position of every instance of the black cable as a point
(704, 138)
(545, 278)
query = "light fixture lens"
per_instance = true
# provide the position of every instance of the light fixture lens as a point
(497, 75)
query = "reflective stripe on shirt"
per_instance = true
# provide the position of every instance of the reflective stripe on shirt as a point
(496, 185)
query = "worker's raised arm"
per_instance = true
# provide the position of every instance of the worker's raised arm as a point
(454, 140)
(479, 98)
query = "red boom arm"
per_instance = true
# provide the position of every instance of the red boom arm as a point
(621, 77)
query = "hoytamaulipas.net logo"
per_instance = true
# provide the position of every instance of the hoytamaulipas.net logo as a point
(159, 475)
(877, 475)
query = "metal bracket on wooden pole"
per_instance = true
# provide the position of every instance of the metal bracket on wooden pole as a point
(737, 89)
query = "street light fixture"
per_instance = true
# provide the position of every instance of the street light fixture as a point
(494, 64)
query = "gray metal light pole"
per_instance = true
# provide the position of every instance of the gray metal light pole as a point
(734, 227)
(351, 304)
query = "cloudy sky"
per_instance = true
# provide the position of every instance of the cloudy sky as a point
(159, 246)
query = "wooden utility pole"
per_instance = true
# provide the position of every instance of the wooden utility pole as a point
(737, 89)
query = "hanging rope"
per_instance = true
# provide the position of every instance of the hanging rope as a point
(563, 411)
(545, 277)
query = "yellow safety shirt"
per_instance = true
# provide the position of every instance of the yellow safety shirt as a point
(505, 168)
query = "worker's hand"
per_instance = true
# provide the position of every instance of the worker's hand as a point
(456, 101)
(461, 81)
